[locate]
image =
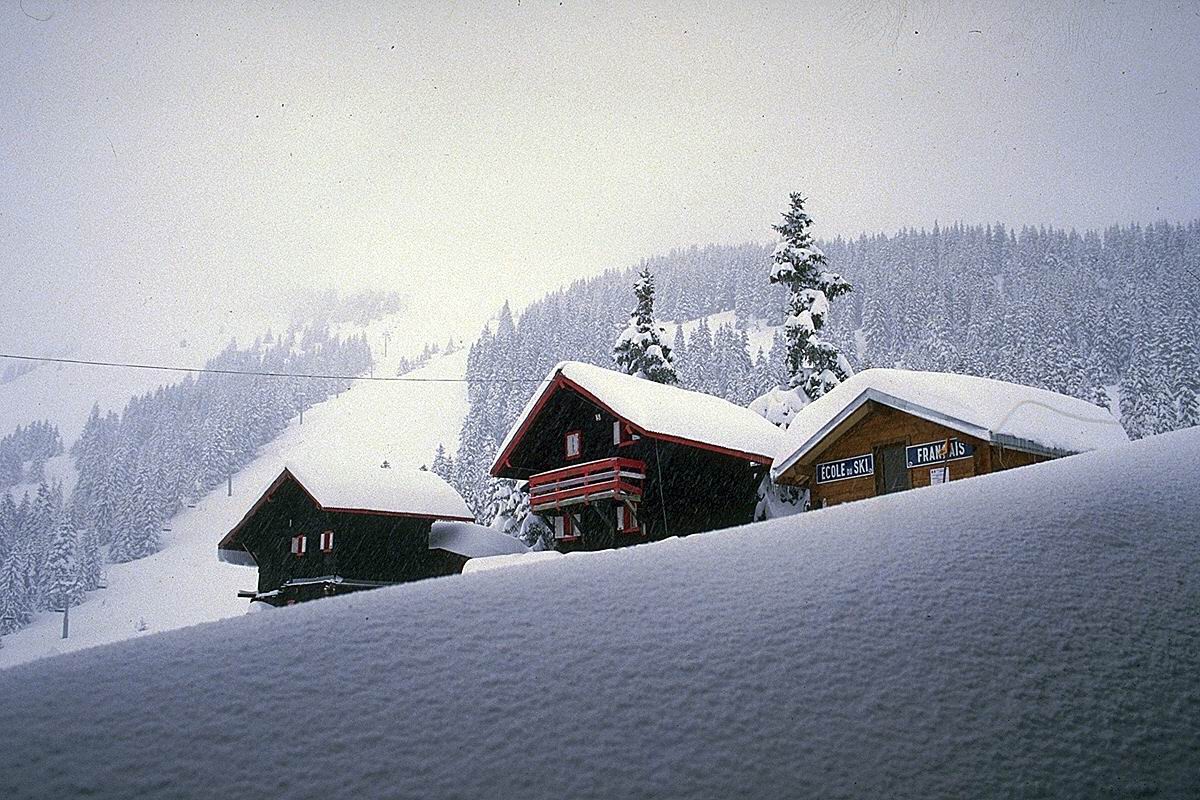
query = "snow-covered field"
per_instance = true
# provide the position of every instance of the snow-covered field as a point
(184, 584)
(1030, 633)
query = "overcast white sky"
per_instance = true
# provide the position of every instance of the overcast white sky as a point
(200, 162)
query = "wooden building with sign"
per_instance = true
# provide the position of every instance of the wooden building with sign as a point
(318, 531)
(611, 459)
(887, 430)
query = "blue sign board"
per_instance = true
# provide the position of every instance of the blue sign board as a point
(921, 455)
(846, 468)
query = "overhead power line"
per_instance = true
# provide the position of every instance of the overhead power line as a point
(259, 373)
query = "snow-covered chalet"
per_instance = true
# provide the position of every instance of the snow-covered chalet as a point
(613, 459)
(887, 430)
(320, 530)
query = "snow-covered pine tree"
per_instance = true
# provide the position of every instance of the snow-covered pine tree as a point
(762, 377)
(61, 584)
(1137, 413)
(508, 512)
(814, 365)
(1184, 368)
(139, 533)
(681, 357)
(701, 365)
(1095, 389)
(91, 560)
(640, 348)
(15, 608)
(443, 465)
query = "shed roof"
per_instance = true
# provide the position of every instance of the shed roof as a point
(1020, 417)
(473, 541)
(656, 410)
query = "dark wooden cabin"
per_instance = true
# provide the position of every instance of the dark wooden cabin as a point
(319, 532)
(611, 459)
(888, 430)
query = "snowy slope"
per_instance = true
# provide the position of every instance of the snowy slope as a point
(1026, 634)
(64, 394)
(184, 584)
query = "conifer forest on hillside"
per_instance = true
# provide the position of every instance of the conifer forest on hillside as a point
(1077, 313)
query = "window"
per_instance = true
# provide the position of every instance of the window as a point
(299, 545)
(327, 542)
(617, 432)
(574, 446)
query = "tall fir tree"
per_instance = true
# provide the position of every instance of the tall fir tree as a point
(15, 607)
(814, 365)
(443, 464)
(640, 348)
(63, 587)
(91, 560)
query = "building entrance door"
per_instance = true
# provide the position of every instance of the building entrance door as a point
(891, 469)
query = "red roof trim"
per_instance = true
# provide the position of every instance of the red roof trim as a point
(561, 381)
(502, 460)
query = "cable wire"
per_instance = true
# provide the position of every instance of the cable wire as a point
(261, 373)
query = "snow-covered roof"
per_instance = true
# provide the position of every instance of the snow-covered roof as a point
(473, 541)
(1016, 416)
(358, 488)
(855, 651)
(657, 409)
(369, 487)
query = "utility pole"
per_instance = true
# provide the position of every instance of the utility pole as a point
(67, 609)
(229, 475)
(387, 335)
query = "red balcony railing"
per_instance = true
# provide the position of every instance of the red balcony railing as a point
(583, 483)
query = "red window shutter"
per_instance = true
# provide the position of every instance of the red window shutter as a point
(299, 544)
(327, 542)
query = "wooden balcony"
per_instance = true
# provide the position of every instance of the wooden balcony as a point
(609, 478)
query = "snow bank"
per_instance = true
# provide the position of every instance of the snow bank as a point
(659, 409)
(473, 541)
(1029, 633)
(1004, 413)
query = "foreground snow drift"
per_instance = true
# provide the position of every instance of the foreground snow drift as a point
(1031, 633)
